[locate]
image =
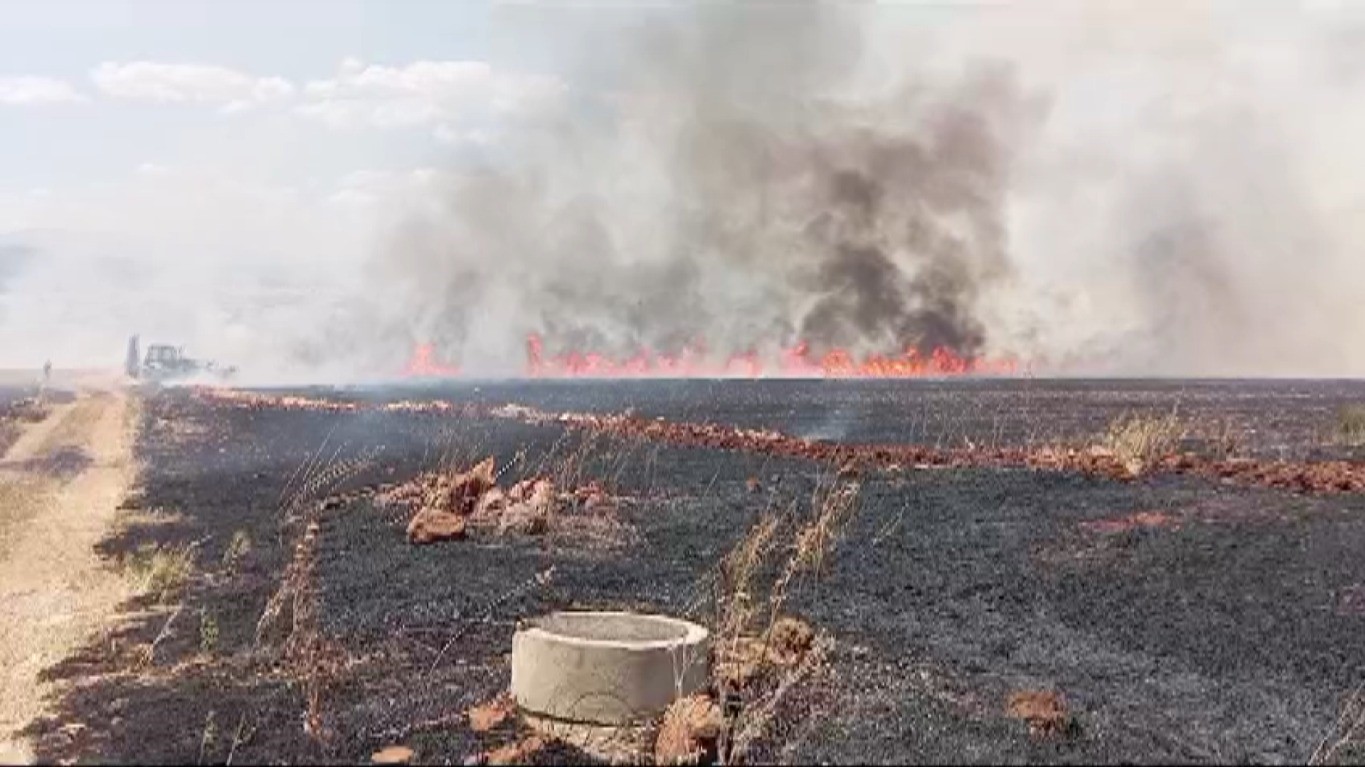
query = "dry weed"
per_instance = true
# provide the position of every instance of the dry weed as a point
(736, 602)
(160, 572)
(316, 477)
(1347, 734)
(520, 752)
(690, 732)
(1220, 437)
(237, 549)
(208, 632)
(1139, 441)
(755, 642)
(1351, 425)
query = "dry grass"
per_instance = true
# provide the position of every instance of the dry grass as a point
(760, 653)
(1220, 437)
(737, 603)
(160, 572)
(208, 632)
(1351, 425)
(1139, 440)
(237, 548)
(1346, 741)
(318, 476)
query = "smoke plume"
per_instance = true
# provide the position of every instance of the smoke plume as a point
(737, 184)
(1095, 188)
(1092, 187)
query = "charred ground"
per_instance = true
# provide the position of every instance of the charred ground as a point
(1179, 618)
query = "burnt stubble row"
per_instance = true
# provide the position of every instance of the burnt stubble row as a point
(1178, 617)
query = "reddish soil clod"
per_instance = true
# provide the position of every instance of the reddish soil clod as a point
(1045, 711)
(392, 755)
(1139, 520)
(690, 731)
(488, 715)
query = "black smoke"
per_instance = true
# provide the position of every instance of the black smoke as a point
(732, 180)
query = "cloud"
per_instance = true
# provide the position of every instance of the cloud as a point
(158, 83)
(26, 90)
(452, 97)
(384, 192)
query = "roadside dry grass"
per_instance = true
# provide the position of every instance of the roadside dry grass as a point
(21, 498)
(54, 589)
(160, 572)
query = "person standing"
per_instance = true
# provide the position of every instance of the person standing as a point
(130, 361)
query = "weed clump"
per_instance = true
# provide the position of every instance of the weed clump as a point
(1138, 441)
(237, 548)
(208, 632)
(160, 572)
(1351, 425)
(760, 652)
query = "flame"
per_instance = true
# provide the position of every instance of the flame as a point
(423, 364)
(694, 362)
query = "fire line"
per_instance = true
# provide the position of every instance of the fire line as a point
(694, 362)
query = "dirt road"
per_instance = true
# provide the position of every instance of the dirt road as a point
(60, 487)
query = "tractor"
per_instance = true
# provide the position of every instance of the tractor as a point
(164, 362)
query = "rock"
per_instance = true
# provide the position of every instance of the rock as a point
(524, 519)
(430, 526)
(392, 755)
(532, 515)
(789, 640)
(740, 662)
(486, 716)
(1044, 710)
(521, 491)
(491, 503)
(747, 658)
(480, 478)
(690, 731)
(592, 498)
(516, 753)
(542, 496)
(459, 493)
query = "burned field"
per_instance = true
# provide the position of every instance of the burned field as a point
(997, 611)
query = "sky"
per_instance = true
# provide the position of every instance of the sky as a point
(201, 135)
(296, 102)
(217, 172)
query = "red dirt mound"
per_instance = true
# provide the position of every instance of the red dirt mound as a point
(1300, 476)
